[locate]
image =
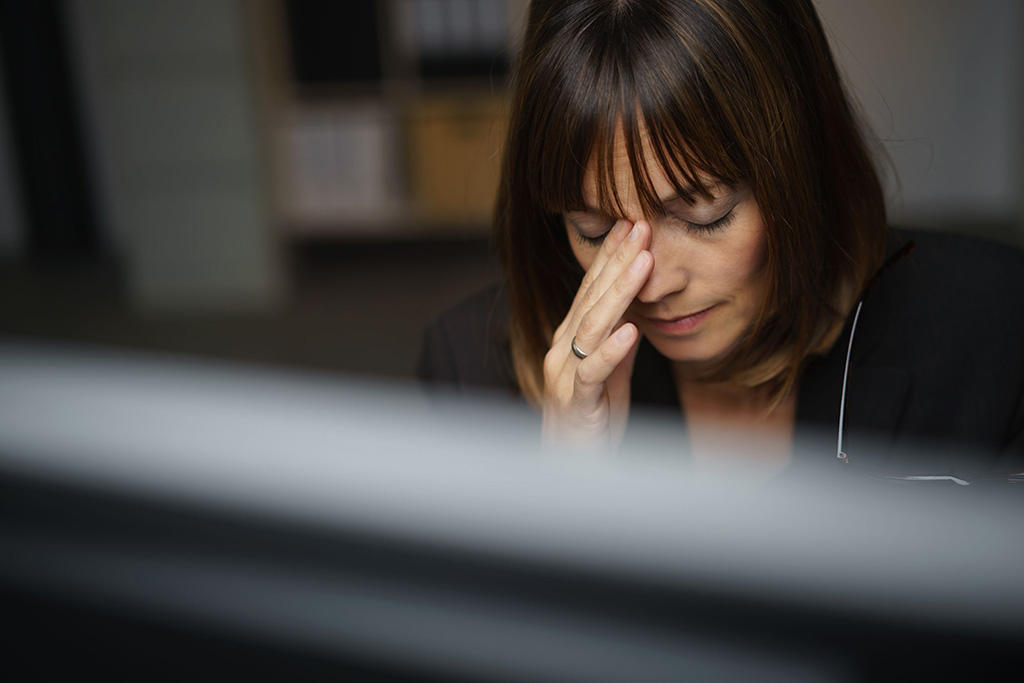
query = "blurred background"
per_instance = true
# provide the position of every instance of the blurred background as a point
(305, 183)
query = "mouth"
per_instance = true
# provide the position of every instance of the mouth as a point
(683, 324)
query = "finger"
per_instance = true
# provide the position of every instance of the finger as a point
(611, 243)
(617, 263)
(605, 314)
(616, 236)
(636, 240)
(592, 372)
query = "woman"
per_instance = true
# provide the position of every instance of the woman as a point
(689, 217)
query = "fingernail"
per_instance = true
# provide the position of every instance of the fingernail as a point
(639, 263)
(634, 233)
(619, 227)
(624, 333)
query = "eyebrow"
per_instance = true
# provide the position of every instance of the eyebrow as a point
(710, 187)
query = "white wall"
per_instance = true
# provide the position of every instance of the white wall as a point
(942, 83)
(176, 150)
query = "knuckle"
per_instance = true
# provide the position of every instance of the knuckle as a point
(623, 286)
(589, 372)
(588, 280)
(557, 396)
(583, 374)
(589, 297)
(623, 255)
(551, 365)
(587, 328)
(606, 354)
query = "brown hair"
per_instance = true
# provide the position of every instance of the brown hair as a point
(742, 90)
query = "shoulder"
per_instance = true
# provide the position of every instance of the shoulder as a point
(959, 265)
(953, 285)
(467, 344)
(949, 317)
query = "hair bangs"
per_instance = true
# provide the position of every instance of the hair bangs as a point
(607, 97)
(682, 124)
(573, 113)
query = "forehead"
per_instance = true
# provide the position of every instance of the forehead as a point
(611, 178)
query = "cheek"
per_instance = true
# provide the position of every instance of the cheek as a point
(741, 262)
(753, 255)
(759, 248)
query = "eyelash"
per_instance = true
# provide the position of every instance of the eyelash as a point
(698, 228)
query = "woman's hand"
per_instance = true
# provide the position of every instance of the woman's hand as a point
(586, 401)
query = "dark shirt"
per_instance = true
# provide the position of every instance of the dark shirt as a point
(937, 362)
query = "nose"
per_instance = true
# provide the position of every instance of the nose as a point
(670, 274)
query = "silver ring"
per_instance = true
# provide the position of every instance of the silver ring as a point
(576, 350)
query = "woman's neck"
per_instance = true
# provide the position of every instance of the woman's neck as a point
(731, 425)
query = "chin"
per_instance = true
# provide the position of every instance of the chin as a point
(685, 349)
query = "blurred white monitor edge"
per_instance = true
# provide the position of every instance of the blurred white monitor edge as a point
(460, 479)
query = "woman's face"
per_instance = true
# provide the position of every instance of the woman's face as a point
(709, 276)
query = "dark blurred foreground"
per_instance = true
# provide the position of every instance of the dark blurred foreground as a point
(170, 520)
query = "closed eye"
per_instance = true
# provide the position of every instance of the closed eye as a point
(697, 228)
(590, 223)
(588, 241)
(717, 224)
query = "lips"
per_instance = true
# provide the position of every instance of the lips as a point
(684, 324)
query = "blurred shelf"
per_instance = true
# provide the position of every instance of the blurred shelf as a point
(403, 231)
(396, 133)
